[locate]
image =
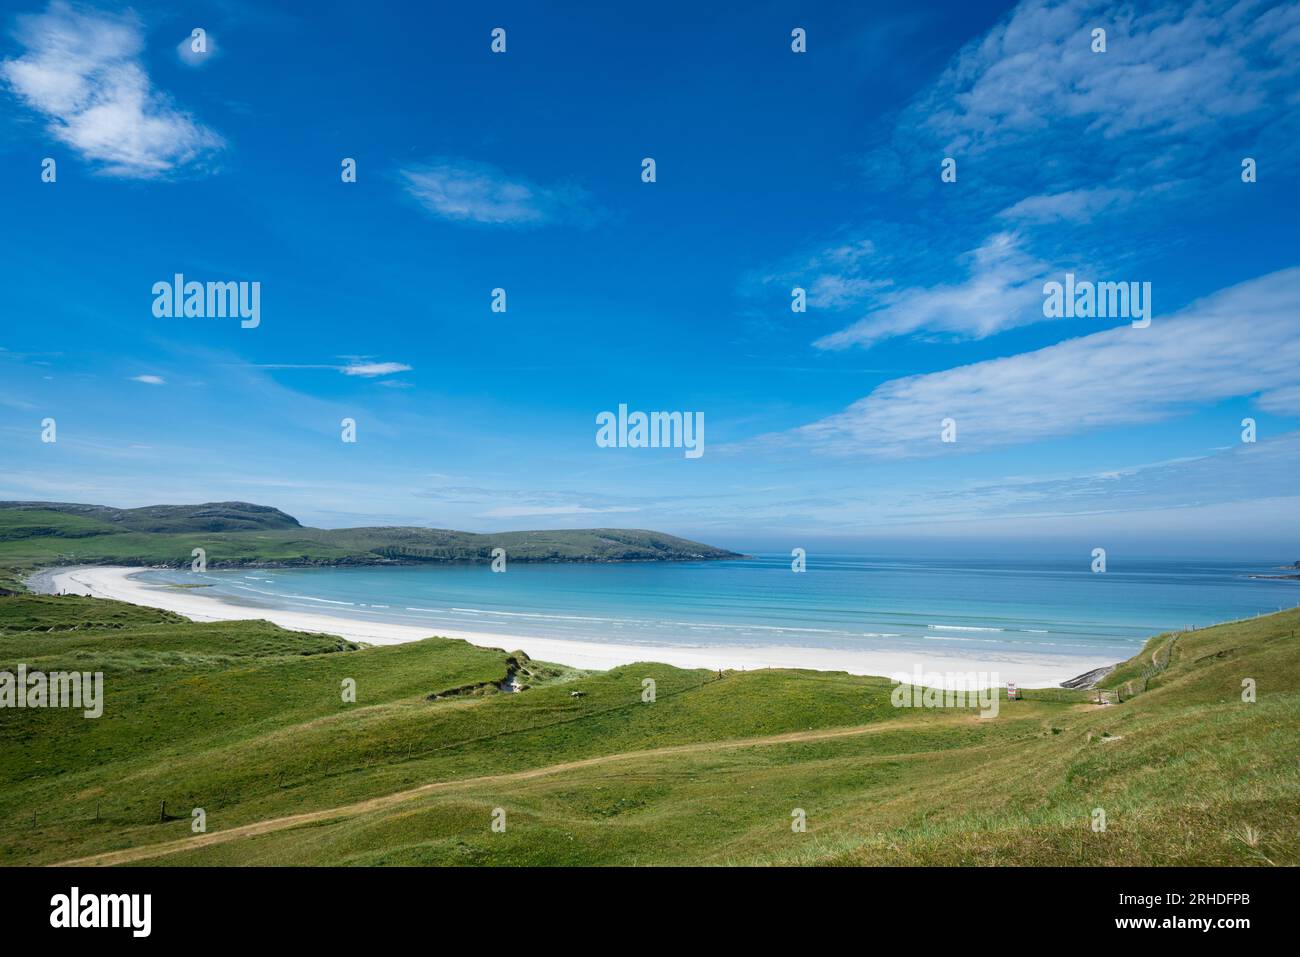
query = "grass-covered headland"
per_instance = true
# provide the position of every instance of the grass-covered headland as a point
(235, 534)
(248, 722)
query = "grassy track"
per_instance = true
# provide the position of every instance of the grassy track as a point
(492, 780)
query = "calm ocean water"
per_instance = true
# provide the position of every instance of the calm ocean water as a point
(840, 602)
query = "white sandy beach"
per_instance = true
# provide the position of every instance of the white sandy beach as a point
(1026, 670)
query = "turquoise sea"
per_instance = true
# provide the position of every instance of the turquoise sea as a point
(840, 602)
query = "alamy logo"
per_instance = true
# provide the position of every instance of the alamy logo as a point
(58, 689)
(103, 910)
(1101, 300)
(948, 689)
(213, 300)
(654, 430)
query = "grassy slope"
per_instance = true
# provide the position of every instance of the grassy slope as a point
(31, 538)
(246, 720)
(210, 517)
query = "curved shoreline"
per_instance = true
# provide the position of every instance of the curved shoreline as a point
(117, 583)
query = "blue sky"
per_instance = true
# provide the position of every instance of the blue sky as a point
(522, 171)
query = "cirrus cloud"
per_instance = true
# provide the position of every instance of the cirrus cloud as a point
(370, 370)
(471, 192)
(1238, 342)
(1067, 146)
(1002, 289)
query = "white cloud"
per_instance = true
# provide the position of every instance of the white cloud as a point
(1238, 342)
(1282, 400)
(149, 379)
(465, 191)
(187, 53)
(1060, 142)
(1206, 490)
(1075, 205)
(846, 255)
(523, 511)
(82, 70)
(1168, 70)
(374, 369)
(831, 291)
(1003, 289)
(833, 275)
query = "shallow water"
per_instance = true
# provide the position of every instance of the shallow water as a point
(841, 602)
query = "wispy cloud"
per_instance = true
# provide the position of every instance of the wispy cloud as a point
(1074, 205)
(1060, 143)
(1002, 289)
(1239, 342)
(836, 275)
(82, 70)
(1207, 491)
(372, 370)
(186, 52)
(1040, 113)
(511, 503)
(360, 366)
(149, 379)
(523, 511)
(1170, 70)
(470, 192)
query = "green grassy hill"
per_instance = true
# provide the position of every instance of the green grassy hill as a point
(35, 534)
(210, 517)
(247, 721)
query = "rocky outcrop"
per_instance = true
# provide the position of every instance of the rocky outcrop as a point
(1089, 679)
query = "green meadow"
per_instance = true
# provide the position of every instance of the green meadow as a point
(249, 722)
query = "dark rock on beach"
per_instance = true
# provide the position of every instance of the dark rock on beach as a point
(1088, 679)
